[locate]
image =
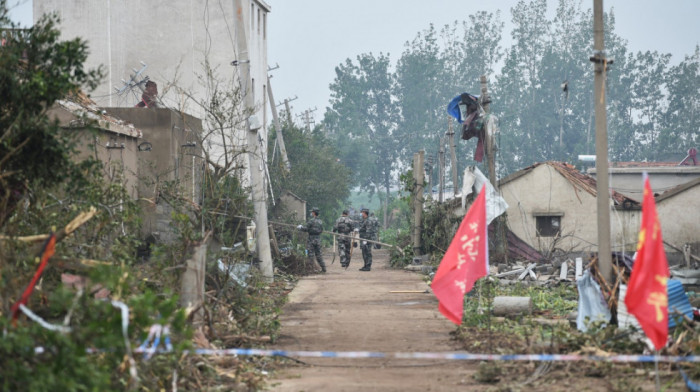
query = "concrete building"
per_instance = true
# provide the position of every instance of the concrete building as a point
(115, 143)
(626, 177)
(290, 204)
(169, 163)
(174, 39)
(551, 205)
(679, 213)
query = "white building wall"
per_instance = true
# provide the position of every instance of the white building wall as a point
(173, 38)
(544, 191)
(680, 217)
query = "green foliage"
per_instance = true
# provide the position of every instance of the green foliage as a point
(44, 187)
(652, 108)
(315, 176)
(439, 226)
(363, 122)
(36, 69)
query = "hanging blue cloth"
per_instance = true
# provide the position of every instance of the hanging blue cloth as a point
(453, 106)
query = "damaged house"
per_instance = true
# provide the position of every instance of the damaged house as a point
(552, 207)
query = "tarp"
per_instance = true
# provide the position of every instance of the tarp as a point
(474, 178)
(591, 303)
(453, 107)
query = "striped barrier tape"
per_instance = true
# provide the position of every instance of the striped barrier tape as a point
(431, 355)
(148, 351)
(157, 331)
(451, 356)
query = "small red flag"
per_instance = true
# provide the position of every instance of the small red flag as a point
(465, 261)
(647, 297)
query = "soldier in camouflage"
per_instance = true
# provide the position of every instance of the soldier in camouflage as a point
(313, 246)
(365, 230)
(344, 225)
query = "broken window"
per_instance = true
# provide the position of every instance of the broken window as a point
(548, 225)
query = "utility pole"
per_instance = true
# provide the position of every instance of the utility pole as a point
(255, 163)
(488, 136)
(307, 118)
(453, 155)
(501, 244)
(289, 111)
(419, 178)
(278, 127)
(601, 143)
(430, 165)
(441, 171)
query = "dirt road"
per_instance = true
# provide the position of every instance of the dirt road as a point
(351, 310)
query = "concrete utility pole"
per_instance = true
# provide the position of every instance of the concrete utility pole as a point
(419, 178)
(429, 166)
(453, 155)
(488, 136)
(289, 111)
(262, 243)
(278, 127)
(501, 244)
(307, 118)
(441, 171)
(601, 143)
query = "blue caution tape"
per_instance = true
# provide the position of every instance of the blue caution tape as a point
(450, 356)
(693, 387)
(417, 355)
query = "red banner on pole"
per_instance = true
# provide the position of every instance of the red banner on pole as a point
(465, 261)
(647, 297)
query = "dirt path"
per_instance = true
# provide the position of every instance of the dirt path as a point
(350, 310)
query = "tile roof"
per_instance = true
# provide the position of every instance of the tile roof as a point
(79, 104)
(576, 178)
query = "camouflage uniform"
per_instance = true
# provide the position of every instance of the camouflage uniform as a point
(313, 246)
(365, 228)
(344, 225)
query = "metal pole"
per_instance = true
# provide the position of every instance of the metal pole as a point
(601, 144)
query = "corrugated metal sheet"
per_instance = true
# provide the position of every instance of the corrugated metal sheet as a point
(677, 302)
(624, 319)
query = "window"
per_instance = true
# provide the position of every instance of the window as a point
(548, 225)
(259, 21)
(265, 25)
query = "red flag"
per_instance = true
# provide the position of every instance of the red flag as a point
(647, 297)
(465, 261)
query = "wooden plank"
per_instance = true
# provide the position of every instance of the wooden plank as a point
(564, 270)
(513, 272)
(527, 271)
(532, 274)
(579, 268)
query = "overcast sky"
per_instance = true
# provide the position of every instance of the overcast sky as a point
(309, 38)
